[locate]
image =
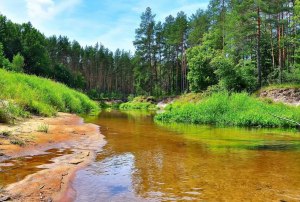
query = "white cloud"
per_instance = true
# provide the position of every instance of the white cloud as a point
(112, 24)
(188, 9)
(43, 10)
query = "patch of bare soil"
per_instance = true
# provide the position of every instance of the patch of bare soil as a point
(286, 95)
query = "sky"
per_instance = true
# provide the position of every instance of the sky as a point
(109, 22)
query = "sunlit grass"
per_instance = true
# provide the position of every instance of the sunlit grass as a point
(139, 103)
(237, 109)
(28, 93)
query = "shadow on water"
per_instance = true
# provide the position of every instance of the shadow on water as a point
(147, 161)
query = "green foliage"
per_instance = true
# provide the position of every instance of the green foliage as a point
(18, 63)
(6, 64)
(138, 105)
(198, 25)
(201, 73)
(58, 58)
(188, 98)
(9, 112)
(292, 76)
(209, 67)
(225, 70)
(237, 109)
(2, 57)
(42, 96)
(141, 103)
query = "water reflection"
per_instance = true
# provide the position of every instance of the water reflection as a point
(14, 170)
(144, 161)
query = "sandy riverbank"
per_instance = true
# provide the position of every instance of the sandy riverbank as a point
(66, 131)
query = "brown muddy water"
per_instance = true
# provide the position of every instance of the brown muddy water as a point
(147, 161)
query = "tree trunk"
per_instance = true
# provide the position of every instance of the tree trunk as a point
(258, 48)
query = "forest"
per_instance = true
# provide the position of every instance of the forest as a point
(233, 45)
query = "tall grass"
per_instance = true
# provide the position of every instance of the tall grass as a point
(42, 96)
(237, 109)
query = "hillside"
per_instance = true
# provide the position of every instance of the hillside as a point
(22, 95)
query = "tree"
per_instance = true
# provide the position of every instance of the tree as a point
(201, 73)
(18, 63)
(2, 57)
(145, 46)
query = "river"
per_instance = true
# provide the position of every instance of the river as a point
(148, 161)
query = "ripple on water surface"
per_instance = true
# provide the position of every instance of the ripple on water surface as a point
(145, 161)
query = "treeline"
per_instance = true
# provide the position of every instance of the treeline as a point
(94, 69)
(234, 45)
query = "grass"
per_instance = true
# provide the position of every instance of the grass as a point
(278, 86)
(188, 98)
(9, 112)
(16, 141)
(43, 128)
(139, 103)
(5, 133)
(237, 109)
(40, 96)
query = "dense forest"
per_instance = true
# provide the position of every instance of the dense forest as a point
(92, 69)
(235, 45)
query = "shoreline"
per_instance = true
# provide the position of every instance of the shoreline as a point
(66, 131)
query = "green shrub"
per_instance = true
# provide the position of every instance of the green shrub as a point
(237, 109)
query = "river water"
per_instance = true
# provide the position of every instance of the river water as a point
(147, 161)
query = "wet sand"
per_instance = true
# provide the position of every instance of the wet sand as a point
(52, 181)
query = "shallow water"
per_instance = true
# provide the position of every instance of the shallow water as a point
(14, 170)
(145, 161)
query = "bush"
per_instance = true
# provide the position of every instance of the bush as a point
(18, 63)
(237, 109)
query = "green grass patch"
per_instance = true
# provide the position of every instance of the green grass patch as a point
(17, 141)
(237, 109)
(5, 133)
(9, 112)
(139, 103)
(44, 128)
(40, 96)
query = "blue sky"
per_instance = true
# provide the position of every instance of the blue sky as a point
(109, 22)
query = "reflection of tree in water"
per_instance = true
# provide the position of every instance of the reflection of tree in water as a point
(169, 166)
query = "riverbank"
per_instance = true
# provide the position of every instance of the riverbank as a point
(233, 109)
(66, 131)
(286, 94)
